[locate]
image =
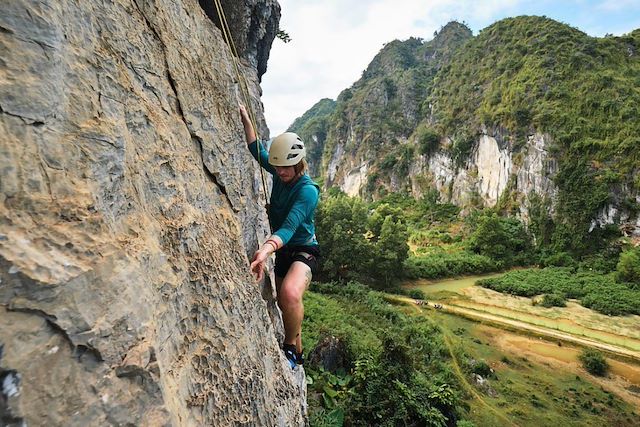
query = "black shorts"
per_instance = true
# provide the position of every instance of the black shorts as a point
(288, 255)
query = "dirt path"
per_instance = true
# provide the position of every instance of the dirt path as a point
(470, 389)
(523, 326)
(456, 366)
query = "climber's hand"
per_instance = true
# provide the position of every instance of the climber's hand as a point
(244, 114)
(257, 265)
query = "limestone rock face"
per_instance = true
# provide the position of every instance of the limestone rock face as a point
(253, 25)
(128, 208)
(483, 179)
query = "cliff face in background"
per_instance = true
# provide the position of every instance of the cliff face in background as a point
(128, 206)
(528, 107)
(312, 128)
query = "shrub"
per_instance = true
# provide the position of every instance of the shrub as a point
(482, 368)
(428, 140)
(559, 259)
(388, 162)
(435, 266)
(553, 300)
(594, 362)
(628, 268)
(595, 291)
(399, 371)
(416, 294)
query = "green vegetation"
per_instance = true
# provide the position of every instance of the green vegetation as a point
(416, 294)
(502, 239)
(401, 370)
(428, 139)
(596, 291)
(487, 242)
(517, 77)
(398, 370)
(628, 268)
(368, 242)
(520, 76)
(439, 265)
(283, 35)
(312, 127)
(532, 74)
(528, 392)
(379, 114)
(594, 362)
(360, 243)
(553, 300)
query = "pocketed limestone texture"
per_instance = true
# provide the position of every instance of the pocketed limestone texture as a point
(128, 208)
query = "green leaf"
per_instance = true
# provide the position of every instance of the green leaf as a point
(329, 391)
(345, 381)
(336, 417)
(329, 402)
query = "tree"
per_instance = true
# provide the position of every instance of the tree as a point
(283, 35)
(378, 216)
(391, 250)
(628, 268)
(499, 238)
(340, 229)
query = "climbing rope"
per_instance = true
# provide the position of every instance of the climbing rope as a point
(244, 89)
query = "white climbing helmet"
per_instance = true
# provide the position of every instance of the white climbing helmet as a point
(286, 150)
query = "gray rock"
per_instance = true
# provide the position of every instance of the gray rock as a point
(330, 354)
(128, 208)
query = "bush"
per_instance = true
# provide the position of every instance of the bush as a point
(428, 140)
(444, 264)
(399, 374)
(397, 388)
(416, 294)
(595, 291)
(553, 300)
(482, 368)
(594, 362)
(559, 259)
(628, 268)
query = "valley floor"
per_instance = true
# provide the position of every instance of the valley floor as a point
(547, 335)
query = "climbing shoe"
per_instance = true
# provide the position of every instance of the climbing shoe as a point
(300, 358)
(290, 354)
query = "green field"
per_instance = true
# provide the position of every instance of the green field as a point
(528, 392)
(545, 387)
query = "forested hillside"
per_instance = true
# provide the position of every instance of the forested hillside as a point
(312, 127)
(515, 151)
(531, 116)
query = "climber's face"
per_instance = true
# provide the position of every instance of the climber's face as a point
(286, 173)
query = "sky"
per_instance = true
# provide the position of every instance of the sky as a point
(333, 41)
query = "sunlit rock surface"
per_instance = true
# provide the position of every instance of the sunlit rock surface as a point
(128, 208)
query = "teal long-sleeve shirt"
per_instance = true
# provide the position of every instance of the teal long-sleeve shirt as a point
(292, 207)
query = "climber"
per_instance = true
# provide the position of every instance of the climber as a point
(293, 201)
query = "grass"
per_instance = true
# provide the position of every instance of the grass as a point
(528, 391)
(574, 319)
(531, 393)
